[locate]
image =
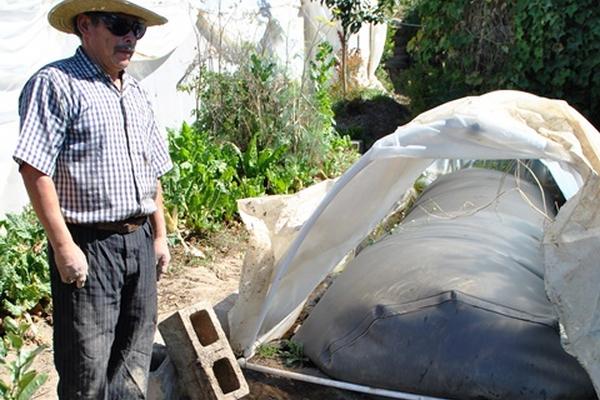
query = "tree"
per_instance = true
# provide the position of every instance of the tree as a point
(351, 14)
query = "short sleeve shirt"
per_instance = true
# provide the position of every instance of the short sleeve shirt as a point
(101, 146)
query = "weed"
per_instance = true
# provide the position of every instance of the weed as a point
(292, 354)
(24, 275)
(289, 352)
(268, 350)
(23, 382)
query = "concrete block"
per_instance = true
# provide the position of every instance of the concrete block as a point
(162, 380)
(222, 310)
(198, 347)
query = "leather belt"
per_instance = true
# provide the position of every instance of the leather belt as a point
(126, 226)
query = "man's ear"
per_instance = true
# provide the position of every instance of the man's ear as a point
(83, 23)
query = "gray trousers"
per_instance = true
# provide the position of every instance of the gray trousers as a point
(103, 332)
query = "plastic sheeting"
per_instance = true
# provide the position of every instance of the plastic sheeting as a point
(498, 125)
(274, 221)
(572, 251)
(452, 303)
(369, 42)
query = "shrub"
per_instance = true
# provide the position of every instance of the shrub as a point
(259, 102)
(24, 275)
(547, 47)
(257, 132)
(204, 181)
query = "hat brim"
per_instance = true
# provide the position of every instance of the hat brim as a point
(61, 16)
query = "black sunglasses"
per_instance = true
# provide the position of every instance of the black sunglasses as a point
(121, 26)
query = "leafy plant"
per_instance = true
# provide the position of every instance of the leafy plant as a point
(288, 351)
(259, 103)
(267, 350)
(292, 353)
(24, 274)
(257, 132)
(204, 182)
(547, 47)
(320, 74)
(16, 360)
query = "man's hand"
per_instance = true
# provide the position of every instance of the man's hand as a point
(163, 257)
(71, 264)
(161, 248)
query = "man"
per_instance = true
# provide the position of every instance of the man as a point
(91, 156)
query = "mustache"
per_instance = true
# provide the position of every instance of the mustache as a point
(125, 47)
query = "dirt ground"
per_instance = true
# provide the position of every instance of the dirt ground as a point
(191, 279)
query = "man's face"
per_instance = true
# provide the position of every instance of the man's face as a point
(111, 42)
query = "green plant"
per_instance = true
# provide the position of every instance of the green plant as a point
(547, 47)
(204, 183)
(342, 151)
(267, 350)
(292, 353)
(22, 382)
(257, 132)
(24, 275)
(289, 352)
(320, 74)
(259, 103)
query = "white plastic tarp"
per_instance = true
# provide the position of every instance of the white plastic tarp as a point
(498, 125)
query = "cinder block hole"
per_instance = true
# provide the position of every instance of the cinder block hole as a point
(204, 327)
(226, 376)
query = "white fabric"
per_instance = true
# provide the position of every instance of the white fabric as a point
(273, 222)
(369, 41)
(498, 125)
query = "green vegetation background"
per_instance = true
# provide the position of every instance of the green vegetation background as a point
(468, 47)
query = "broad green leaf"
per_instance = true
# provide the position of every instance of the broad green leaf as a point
(29, 357)
(29, 390)
(10, 325)
(15, 341)
(25, 379)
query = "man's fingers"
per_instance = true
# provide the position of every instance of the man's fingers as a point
(72, 265)
(78, 278)
(161, 267)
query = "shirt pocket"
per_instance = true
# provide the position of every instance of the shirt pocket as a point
(83, 152)
(84, 166)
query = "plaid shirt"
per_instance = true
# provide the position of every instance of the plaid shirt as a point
(101, 147)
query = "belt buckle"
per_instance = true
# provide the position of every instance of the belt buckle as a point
(129, 227)
(133, 224)
(121, 227)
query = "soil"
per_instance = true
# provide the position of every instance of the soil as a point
(368, 120)
(190, 279)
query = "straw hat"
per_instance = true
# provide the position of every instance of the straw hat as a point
(61, 16)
